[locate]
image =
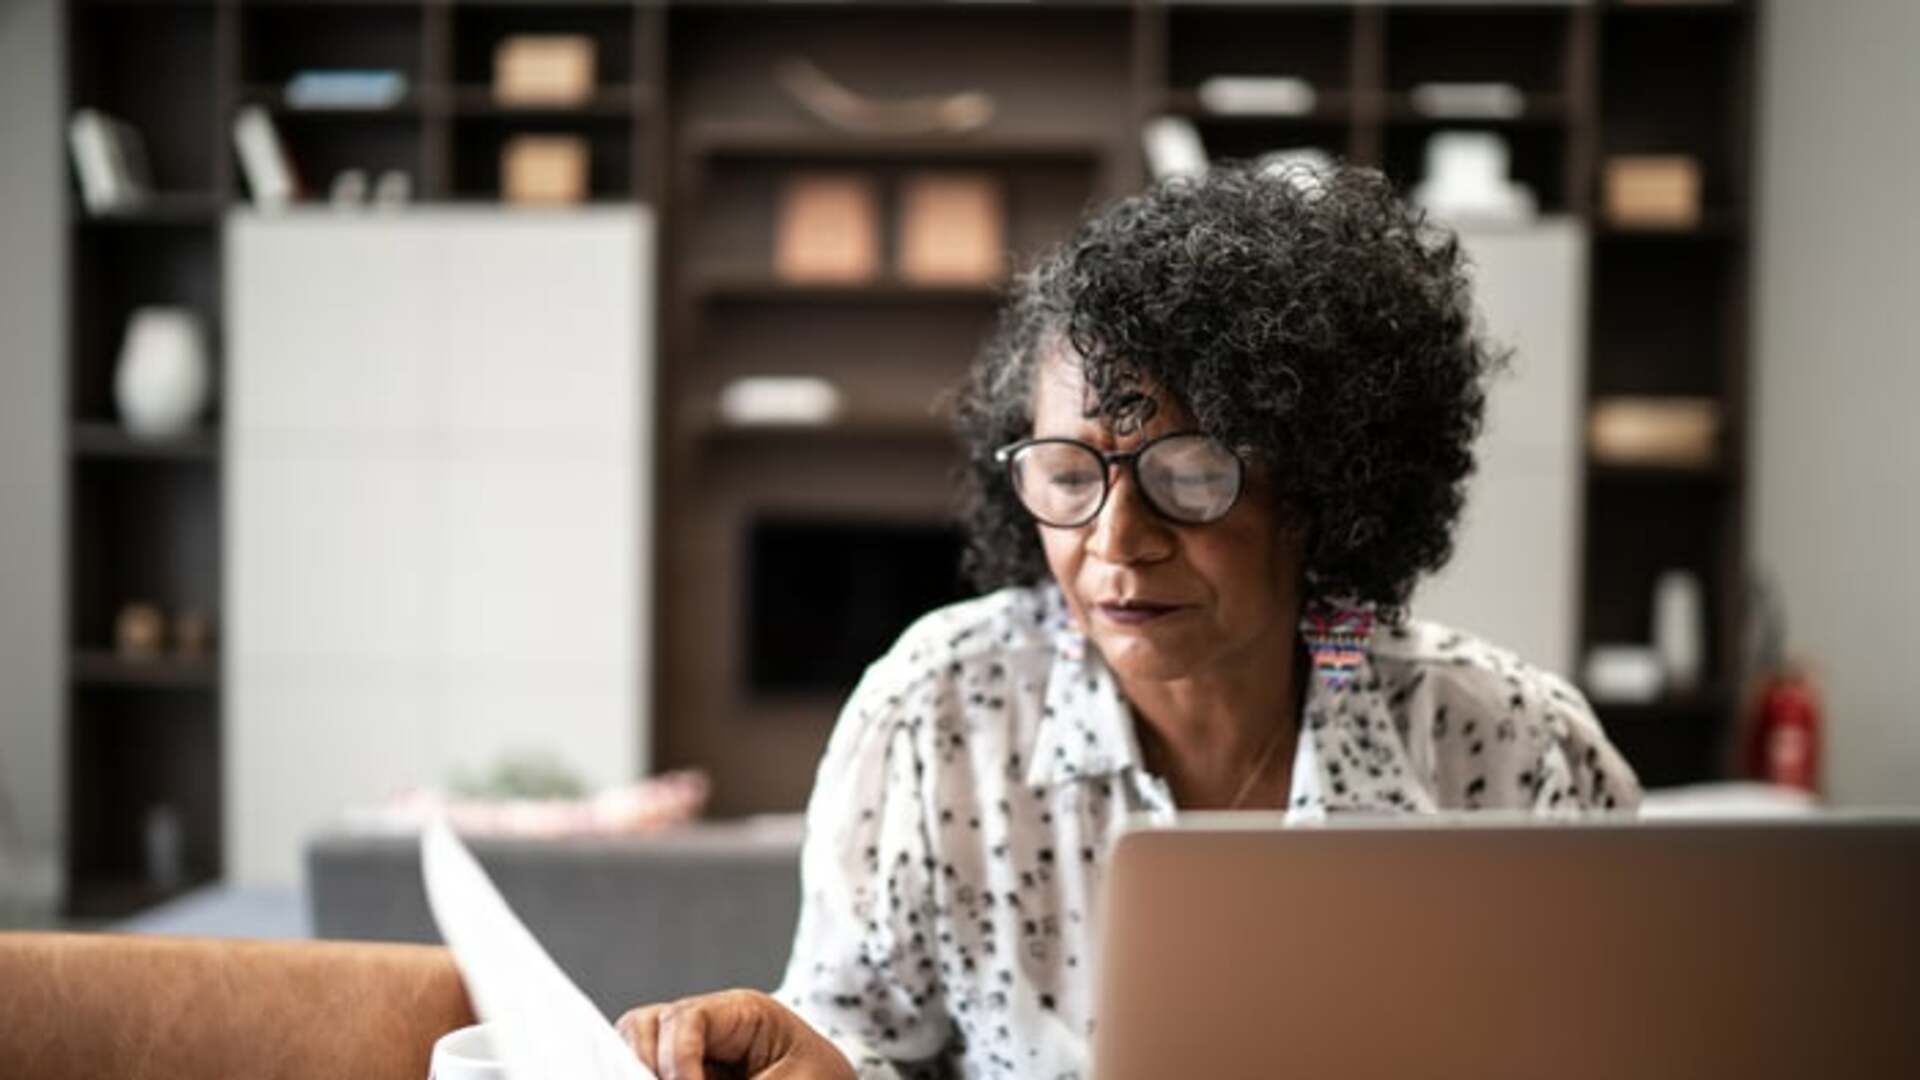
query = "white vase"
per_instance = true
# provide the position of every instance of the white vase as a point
(1679, 628)
(163, 380)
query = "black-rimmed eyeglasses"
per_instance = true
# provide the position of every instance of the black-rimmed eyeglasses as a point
(1185, 477)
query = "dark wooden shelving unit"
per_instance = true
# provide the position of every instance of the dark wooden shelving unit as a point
(144, 516)
(689, 118)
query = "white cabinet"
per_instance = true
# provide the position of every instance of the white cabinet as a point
(1514, 578)
(439, 444)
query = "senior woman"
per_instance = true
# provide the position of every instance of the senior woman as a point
(1216, 439)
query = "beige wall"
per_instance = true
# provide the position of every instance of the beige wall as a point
(31, 348)
(1837, 350)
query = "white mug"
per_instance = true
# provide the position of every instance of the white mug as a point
(466, 1054)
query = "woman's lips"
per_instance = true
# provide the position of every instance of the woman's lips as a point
(1135, 612)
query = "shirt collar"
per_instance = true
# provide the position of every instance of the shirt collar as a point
(1351, 755)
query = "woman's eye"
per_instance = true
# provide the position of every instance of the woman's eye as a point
(1199, 480)
(1073, 480)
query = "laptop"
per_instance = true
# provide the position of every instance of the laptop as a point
(1464, 948)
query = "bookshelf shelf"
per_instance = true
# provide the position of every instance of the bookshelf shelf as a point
(105, 440)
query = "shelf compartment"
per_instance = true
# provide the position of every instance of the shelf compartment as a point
(1670, 743)
(284, 39)
(323, 143)
(116, 270)
(478, 141)
(1669, 86)
(478, 30)
(1635, 533)
(1660, 323)
(1522, 45)
(1537, 154)
(1304, 43)
(152, 67)
(142, 530)
(130, 751)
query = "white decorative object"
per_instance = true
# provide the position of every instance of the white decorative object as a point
(110, 161)
(779, 399)
(270, 177)
(1173, 147)
(1678, 628)
(1625, 674)
(1466, 179)
(349, 189)
(1469, 100)
(394, 189)
(163, 381)
(1256, 95)
(165, 847)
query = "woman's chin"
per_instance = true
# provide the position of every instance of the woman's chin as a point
(1135, 655)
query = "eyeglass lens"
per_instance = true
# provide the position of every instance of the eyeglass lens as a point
(1188, 478)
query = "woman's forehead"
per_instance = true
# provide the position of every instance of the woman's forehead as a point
(1064, 403)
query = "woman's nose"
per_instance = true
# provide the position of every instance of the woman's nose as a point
(1127, 530)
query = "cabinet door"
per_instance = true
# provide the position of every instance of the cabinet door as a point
(438, 461)
(1514, 575)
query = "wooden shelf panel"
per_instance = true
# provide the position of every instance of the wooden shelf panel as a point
(100, 667)
(742, 140)
(161, 209)
(105, 440)
(1332, 106)
(749, 285)
(1536, 109)
(110, 899)
(1714, 225)
(1706, 704)
(1700, 475)
(274, 98)
(478, 101)
(908, 429)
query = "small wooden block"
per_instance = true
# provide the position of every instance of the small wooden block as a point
(952, 229)
(1650, 431)
(543, 69)
(828, 229)
(544, 169)
(1653, 191)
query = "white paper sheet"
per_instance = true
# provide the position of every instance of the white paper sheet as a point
(544, 1027)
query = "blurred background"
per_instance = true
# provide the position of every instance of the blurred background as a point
(509, 403)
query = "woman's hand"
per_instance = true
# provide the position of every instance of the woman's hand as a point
(732, 1033)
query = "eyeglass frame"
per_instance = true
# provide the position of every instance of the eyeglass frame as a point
(1131, 460)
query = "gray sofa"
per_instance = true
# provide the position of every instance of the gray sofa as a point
(632, 920)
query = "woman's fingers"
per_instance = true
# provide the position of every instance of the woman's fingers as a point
(641, 1029)
(683, 1041)
(743, 1032)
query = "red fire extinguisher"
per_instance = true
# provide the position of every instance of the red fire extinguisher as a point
(1783, 728)
(1784, 742)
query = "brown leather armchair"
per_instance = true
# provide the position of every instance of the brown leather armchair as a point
(154, 1008)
